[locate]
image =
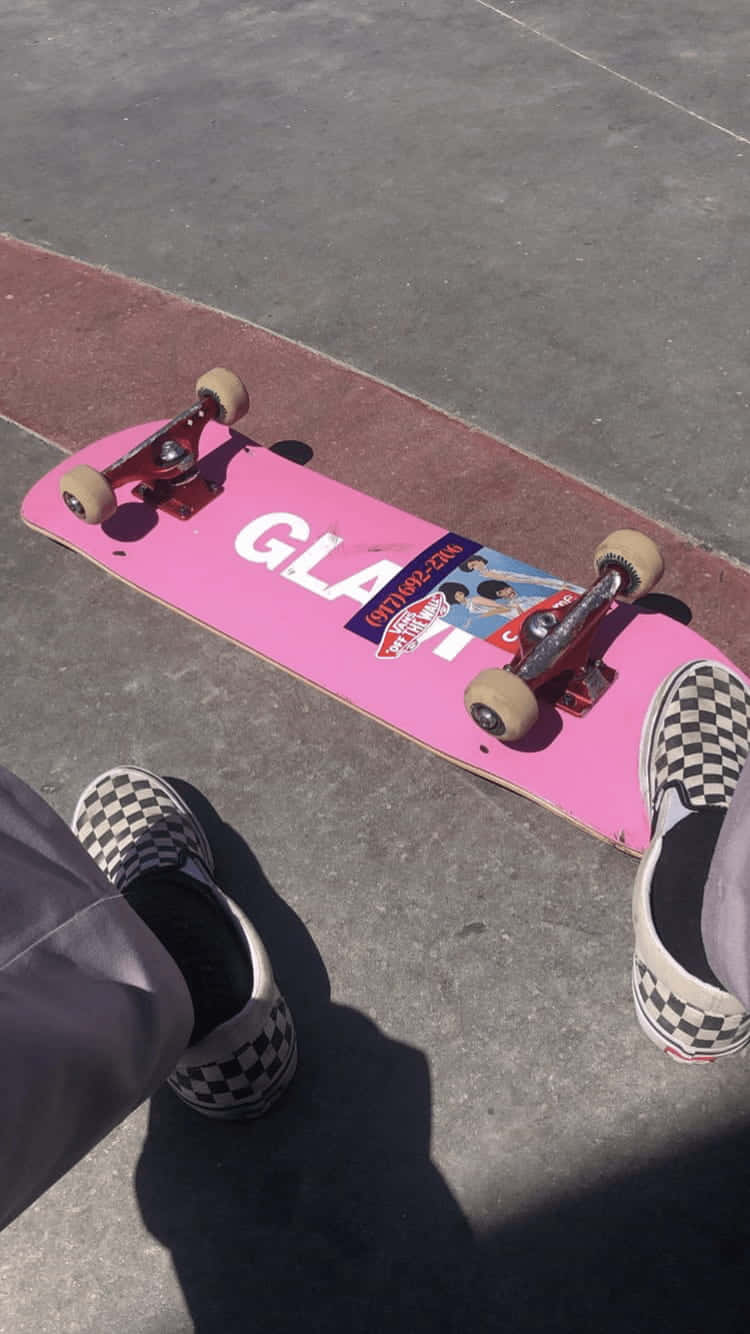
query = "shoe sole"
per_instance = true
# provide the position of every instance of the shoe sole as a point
(671, 1049)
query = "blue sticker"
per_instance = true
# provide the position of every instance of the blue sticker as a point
(416, 580)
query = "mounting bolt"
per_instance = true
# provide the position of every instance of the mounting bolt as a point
(185, 511)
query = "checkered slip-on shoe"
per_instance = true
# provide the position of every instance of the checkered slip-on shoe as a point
(133, 823)
(694, 744)
(242, 1067)
(682, 1015)
(696, 737)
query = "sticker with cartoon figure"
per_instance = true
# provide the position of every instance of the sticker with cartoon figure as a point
(488, 590)
(471, 590)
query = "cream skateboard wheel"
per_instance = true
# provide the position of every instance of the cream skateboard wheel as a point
(229, 392)
(635, 556)
(501, 704)
(88, 494)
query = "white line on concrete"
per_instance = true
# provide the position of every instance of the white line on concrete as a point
(11, 421)
(590, 60)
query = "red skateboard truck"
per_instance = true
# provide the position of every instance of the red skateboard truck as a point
(165, 466)
(555, 644)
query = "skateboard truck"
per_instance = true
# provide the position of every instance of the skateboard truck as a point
(555, 648)
(554, 654)
(165, 466)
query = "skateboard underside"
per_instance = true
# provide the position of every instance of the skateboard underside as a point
(353, 596)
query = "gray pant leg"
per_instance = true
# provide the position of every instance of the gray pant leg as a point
(94, 1014)
(725, 923)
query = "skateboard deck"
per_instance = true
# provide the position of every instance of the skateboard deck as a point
(347, 593)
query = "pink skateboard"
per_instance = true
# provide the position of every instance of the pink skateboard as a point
(508, 671)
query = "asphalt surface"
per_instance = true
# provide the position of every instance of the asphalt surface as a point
(434, 194)
(478, 1136)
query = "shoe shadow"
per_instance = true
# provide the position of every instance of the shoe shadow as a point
(328, 1213)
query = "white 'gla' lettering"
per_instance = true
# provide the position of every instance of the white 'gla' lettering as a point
(360, 586)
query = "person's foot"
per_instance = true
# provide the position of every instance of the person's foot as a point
(243, 1049)
(694, 744)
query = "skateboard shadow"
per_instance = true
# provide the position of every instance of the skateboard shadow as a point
(215, 464)
(296, 451)
(130, 522)
(328, 1213)
(625, 613)
(666, 605)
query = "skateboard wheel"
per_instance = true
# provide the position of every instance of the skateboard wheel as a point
(501, 704)
(229, 392)
(88, 494)
(635, 556)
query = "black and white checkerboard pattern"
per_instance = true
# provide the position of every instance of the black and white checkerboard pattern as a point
(692, 1031)
(248, 1080)
(703, 736)
(129, 823)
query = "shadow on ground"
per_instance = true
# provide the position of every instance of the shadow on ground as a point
(661, 1249)
(330, 1216)
(327, 1214)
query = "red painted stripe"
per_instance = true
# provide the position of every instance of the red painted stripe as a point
(86, 352)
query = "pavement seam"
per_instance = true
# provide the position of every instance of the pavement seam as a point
(679, 534)
(607, 69)
(11, 421)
